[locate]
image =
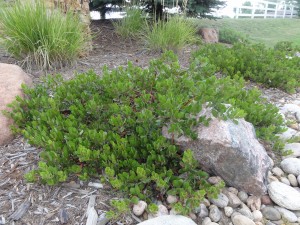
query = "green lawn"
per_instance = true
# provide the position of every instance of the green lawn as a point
(268, 31)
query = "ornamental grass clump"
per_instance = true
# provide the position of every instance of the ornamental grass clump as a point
(132, 24)
(173, 34)
(40, 37)
(112, 127)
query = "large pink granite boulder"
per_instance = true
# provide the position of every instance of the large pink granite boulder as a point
(11, 78)
(230, 151)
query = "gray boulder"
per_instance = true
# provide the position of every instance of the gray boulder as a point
(231, 151)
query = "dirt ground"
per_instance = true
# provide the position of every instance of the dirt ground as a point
(66, 203)
(36, 204)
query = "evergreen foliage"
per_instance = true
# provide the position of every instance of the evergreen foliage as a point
(112, 126)
(271, 67)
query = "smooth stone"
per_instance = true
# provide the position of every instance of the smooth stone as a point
(243, 196)
(169, 220)
(287, 214)
(173, 212)
(258, 223)
(162, 211)
(254, 203)
(245, 211)
(298, 179)
(221, 201)
(293, 180)
(171, 199)
(285, 181)
(233, 190)
(291, 165)
(277, 172)
(203, 211)
(214, 213)
(270, 223)
(257, 216)
(228, 211)
(242, 220)
(193, 216)
(206, 221)
(271, 213)
(266, 200)
(284, 195)
(214, 179)
(138, 209)
(272, 179)
(288, 134)
(294, 147)
(234, 201)
(212, 223)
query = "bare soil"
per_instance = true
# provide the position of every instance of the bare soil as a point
(36, 204)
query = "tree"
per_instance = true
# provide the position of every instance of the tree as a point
(193, 7)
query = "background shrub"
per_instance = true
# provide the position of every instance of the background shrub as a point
(254, 62)
(31, 33)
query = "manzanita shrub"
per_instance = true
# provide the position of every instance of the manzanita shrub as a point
(271, 67)
(112, 127)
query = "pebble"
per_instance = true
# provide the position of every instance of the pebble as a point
(234, 201)
(95, 185)
(254, 203)
(272, 179)
(162, 211)
(295, 147)
(243, 196)
(171, 199)
(206, 221)
(284, 195)
(266, 200)
(138, 209)
(293, 180)
(169, 220)
(214, 179)
(287, 134)
(246, 211)
(287, 214)
(277, 172)
(221, 201)
(285, 181)
(233, 190)
(257, 216)
(214, 213)
(291, 165)
(228, 211)
(271, 213)
(242, 220)
(203, 211)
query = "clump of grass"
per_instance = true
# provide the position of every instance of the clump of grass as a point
(174, 34)
(40, 37)
(230, 36)
(131, 25)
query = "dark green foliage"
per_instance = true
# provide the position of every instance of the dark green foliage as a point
(255, 62)
(113, 126)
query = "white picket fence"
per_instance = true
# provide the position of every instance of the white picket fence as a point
(265, 9)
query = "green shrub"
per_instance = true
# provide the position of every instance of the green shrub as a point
(132, 24)
(31, 33)
(230, 36)
(174, 34)
(254, 62)
(113, 126)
